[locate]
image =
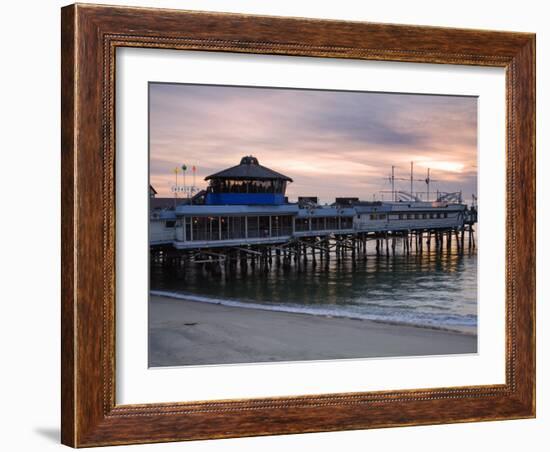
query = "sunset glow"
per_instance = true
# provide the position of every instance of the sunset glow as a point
(331, 143)
(452, 167)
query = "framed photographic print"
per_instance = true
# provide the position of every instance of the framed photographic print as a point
(281, 225)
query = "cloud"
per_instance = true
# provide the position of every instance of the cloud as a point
(331, 143)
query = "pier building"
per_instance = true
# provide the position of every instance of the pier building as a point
(245, 210)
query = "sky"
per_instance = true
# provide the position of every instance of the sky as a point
(331, 143)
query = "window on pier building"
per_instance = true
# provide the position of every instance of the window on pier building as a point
(200, 228)
(318, 224)
(266, 226)
(263, 223)
(224, 228)
(281, 225)
(332, 223)
(275, 226)
(302, 224)
(346, 222)
(170, 224)
(215, 223)
(416, 216)
(253, 224)
(445, 215)
(373, 216)
(424, 216)
(286, 225)
(247, 186)
(236, 227)
(204, 228)
(187, 221)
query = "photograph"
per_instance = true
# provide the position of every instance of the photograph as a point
(302, 224)
(279, 225)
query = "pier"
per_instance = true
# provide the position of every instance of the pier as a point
(244, 221)
(318, 250)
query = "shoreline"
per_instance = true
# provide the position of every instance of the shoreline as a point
(190, 332)
(469, 331)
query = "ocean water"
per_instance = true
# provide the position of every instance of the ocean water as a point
(433, 289)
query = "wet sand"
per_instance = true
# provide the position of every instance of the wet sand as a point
(185, 332)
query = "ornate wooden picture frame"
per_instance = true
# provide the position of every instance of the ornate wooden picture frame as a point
(90, 37)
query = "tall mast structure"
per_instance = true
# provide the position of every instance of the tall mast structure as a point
(393, 183)
(412, 193)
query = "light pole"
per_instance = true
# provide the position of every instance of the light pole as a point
(184, 169)
(176, 170)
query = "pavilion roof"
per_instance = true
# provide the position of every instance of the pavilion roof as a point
(248, 169)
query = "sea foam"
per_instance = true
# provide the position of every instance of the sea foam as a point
(465, 325)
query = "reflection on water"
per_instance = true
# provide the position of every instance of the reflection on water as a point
(435, 289)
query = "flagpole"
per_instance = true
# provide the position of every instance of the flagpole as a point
(176, 189)
(184, 169)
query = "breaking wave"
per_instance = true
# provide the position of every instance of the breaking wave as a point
(466, 324)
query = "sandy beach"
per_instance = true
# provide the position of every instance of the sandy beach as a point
(185, 332)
